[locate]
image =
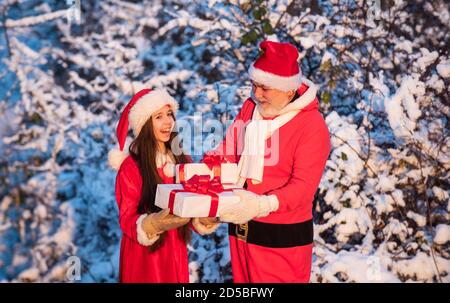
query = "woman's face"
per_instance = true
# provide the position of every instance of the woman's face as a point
(163, 121)
(270, 100)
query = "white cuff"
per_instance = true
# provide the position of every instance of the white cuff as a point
(202, 229)
(142, 236)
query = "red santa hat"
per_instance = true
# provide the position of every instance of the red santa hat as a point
(140, 108)
(277, 67)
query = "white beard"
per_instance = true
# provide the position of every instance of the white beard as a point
(266, 113)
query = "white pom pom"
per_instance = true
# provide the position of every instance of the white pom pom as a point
(116, 157)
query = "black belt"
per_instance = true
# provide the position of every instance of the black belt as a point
(273, 235)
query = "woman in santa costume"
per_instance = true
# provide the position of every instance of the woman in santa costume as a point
(153, 247)
(281, 144)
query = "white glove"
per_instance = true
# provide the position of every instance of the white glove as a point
(251, 206)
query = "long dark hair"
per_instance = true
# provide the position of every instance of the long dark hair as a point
(143, 150)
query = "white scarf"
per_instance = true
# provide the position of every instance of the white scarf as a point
(165, 162)
(251, 163)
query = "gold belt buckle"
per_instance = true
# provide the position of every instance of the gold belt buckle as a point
(242, 231)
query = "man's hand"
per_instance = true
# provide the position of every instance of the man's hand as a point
(251, 206)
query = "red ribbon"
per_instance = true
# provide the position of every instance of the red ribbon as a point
(181, 173)
(214, 163)
(201, 185)
(172, 198)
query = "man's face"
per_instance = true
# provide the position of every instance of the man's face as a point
(270, 100)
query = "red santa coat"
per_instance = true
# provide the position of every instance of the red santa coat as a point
(169, 263)
(281, 251)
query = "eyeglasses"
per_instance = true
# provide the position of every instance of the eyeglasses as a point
(257, 85)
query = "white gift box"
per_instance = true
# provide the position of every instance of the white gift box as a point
(191, 205)
(228, 172)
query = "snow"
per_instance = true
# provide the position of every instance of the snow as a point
(380, 89)
(442, 234)
(27, 51)
(345, 140)
(354, 267)
(384, 203)
(404, 45)
(397, 228)
(29, 275)
(386, 183)
(307, 42)
(427, 58)
(348, 221)
(28, 21)
(402, 108)
(443, 69)
(441, 194)
(419, 268)
(419, 219)
(436, 83)
(40, 211)
(397, 195)
(328, 56)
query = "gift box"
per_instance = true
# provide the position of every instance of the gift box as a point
(190, 205)
(197, 197)
(216, 166)
(228, 172)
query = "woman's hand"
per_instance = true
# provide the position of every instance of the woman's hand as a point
(206, 225)
(156, 223)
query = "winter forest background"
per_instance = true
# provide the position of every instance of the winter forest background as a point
(382, 209)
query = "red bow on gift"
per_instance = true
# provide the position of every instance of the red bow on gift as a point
(214, 163)
(201, 185)
(212, 160)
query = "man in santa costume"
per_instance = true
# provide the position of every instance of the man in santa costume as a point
(281, 144)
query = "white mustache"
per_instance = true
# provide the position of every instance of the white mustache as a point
(252, 95)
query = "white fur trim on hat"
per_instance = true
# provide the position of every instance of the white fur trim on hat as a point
(142, 236)
(147, 105)
(275, 81)
(116, 157)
